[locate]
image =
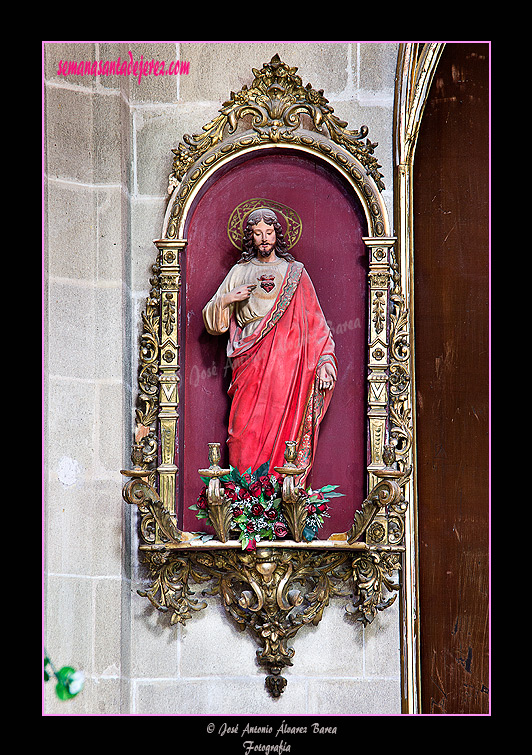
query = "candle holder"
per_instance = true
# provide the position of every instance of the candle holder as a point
(218, 506)
(294, 501)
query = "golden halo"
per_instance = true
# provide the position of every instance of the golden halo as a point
(238, 218)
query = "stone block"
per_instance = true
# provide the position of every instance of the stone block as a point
(217, 68)
(154, 644)
(84, 528)
(382, 650)
(216, 696)
(333, 648)
(107, 627)
(354, 697)
(378, 61)
(83, 138)
(56, 52)
(212, 644)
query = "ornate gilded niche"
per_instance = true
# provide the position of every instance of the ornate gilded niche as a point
(284, 583)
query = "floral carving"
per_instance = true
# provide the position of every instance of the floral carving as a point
(272, 592)
(276, 101)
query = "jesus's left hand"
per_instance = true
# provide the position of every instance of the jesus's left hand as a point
(326, 377)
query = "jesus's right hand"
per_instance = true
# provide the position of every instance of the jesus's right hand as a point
(241, 293)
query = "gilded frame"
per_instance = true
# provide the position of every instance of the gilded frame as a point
(276, 112)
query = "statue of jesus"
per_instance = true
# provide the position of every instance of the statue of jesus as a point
(281, 349)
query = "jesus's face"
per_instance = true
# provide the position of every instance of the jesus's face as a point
(264, 239)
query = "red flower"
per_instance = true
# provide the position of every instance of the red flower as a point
(269, 490)
(251, 545)
(279, 529)
(230, 490)
(255, 489)
(250, 526)
(202, 499)
(257, 509)
(322, 507)
(271, 514)
(311, 509)
(237, 511)
(244, 495)
(247, 478)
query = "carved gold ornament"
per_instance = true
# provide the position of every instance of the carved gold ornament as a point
(283, 584)
(276, 103)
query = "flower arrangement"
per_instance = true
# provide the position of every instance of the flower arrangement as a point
(256, 506)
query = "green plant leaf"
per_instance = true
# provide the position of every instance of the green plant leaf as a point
(333, 495)
(263, 470)
(64, 677)
(327, 488)
(309, 533)
(235, 475)
(205, 480)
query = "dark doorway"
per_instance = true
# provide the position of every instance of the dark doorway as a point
(451, 268)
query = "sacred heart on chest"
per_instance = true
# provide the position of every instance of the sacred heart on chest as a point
(267, 282)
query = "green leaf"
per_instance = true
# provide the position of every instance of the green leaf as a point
(193, 507)
(64, 676)
(263, 470)
(309, 533)
(235, 475)
(326, 488)
(205, 480)
(333, 495)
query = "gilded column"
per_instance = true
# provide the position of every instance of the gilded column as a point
(378, 357)
(170, 284)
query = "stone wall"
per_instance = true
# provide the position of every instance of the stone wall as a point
(108, 142)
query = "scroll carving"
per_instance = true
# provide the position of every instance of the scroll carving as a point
(273, 592)
(275, 102)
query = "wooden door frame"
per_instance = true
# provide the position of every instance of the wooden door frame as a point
(416, 65)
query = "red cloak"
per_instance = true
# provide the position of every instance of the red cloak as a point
(274, 388)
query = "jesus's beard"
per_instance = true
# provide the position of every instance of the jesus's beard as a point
(264, 250)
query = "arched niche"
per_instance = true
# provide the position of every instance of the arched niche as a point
(344, 166)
